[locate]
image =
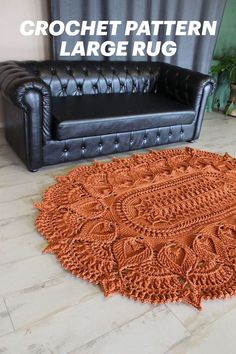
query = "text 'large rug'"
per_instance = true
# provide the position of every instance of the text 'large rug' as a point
(155, 227)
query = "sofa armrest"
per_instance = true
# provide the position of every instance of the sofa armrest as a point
(26, 91)
(184, 85)
(27, 110)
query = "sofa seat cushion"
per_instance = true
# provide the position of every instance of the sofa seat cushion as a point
(89, 115)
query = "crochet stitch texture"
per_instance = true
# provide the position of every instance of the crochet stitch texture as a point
(155, 227)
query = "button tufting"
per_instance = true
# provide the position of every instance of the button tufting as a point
(65, 150)
(83, 147)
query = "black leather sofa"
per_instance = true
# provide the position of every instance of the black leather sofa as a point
(57, 111)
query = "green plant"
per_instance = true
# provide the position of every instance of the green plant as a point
(226, 63)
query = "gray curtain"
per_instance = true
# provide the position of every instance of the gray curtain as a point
(193, 52)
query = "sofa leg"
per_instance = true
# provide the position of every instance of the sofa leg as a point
(33, 170)
(191, 141)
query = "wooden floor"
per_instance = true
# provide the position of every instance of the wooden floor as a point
(44, 309)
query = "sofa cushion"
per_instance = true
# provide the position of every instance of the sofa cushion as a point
(87, 115)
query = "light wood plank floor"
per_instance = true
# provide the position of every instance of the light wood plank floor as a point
(44, 309)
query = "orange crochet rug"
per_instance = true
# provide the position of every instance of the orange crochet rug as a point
(158, 227)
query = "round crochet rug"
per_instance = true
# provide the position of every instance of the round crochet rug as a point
(157, 227)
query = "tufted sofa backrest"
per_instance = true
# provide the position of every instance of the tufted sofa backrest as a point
(76, 78)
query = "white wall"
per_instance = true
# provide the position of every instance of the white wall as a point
(13, 45)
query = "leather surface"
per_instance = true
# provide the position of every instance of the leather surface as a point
(16, 81)
(29, 88)
(91, 78)
(119, 113)
(15, 128)
(56, 151)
